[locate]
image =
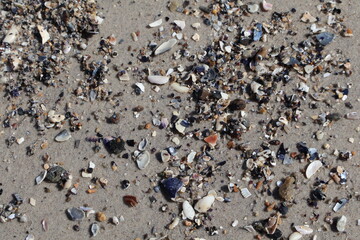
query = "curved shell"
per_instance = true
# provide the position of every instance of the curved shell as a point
(143, 160)
(157, 79)
(204, 204)
(313, 168)
(166, 46)
(39, 179)
(304, 230)
(295, 236)
(188, 210)
(179, 88)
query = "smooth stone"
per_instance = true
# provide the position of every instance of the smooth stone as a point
(75, 214)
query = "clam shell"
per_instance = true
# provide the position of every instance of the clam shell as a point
(166, 46)
(313, 168)
(11, 35)
(94, 229)
(142, 144)
(295, 236)
(266, 6)
(188, 210)
(39, 179)
(180, 89)
(143, 159)
(165, 156)
(180, 24)
(204, 204)
(159, 80)
(63, 136)
(304, 230)
(140, 86)
(156, 23)
(340, 225)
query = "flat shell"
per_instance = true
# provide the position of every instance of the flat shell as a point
(245, 192)
(39, 179)
(94, 229)
(304, 230)
(179, 88)
(166, 46)
(188, 210)
(313, 168)
(159, 80)
(143, 160)
(156, 23)
(45, 36)
(75, 214)
(11, 35)
(63, 136)
(204, 204)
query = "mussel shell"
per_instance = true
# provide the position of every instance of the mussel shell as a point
(171, 186)
(115, 146)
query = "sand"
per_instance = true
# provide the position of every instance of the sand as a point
(18, 171)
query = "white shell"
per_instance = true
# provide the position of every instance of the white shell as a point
(180, 128)
(94, 229)
(312, 168)
(30, 237)
(11, 35)
(157, 23)
(166, 46)
(143, 159)
(204, 204)
(188, 210)
(245, 192)
(190, 158)
(266, 6)
(174, 223)
(140, 86)
(142, 144)
(115, 220)
(235, 223)
(340, 225)
(295, 236)
(45, 36)
(165, 156)
(157, 79)
(39, 179)
(181, 89)
(180, 24)
(304, 230)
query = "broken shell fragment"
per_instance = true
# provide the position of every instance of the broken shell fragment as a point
(45, 36)
(174, 223)
(156, 23)
(166, 46)
(313, 168)
(211, 140)
(180, 89)
(341, 223)
(307, 18)
(39, 179)
(94, 229)
(266, 6)
(295, 236)
(252, 7)
(130, 200)
(164, 155)
(143, 160)
(304, 230)
(245, 192)
(341, 203)
(325, 38)
(188, 210)
(204, 204)
(63, 136)
(142, 144)
(159, 80)
(180, 24)
(75, 214)
(171, 186)
(56, 174)
(11, 35)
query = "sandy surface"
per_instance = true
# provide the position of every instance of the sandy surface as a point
(18, 171)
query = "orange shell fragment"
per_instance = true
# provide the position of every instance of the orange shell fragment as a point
(211, 140)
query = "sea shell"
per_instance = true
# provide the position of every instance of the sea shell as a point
(252, 7)
(142, 144)
(171, 186)
(115, 220)
(130, 200)
(188, 210)
(180, 24)
(159, 80)
(174, 223)
(30, 237)
(340, 225)
(143, 160)
(75, 214)
(166, 46)
(94, 229)
(164, 155)
(341, 203)
(156, 23)
(190, 158)
(204, 204)
(55, 174)
(114, 145)
(140, 86)
(304, 230)
(180, 89)
(266, 6)
(313, 168)
(179, 127)
(211, 140)
(11, 35)
(245, 192)
(45, 36)
(39, 179)
(352, 116)
(295, 236)
(63, 136)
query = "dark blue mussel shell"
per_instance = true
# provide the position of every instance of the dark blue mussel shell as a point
(171, 186)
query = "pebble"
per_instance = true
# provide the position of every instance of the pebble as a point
(75, 214)
(100, 217)
(63, 136)
(180, 24)
(156, 23)
(196, 37)
(196, 25)
(287, 189)
(341, 223)
(295, 236)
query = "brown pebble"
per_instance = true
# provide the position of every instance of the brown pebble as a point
(100, 216)
(237, 104)
(287, 189)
